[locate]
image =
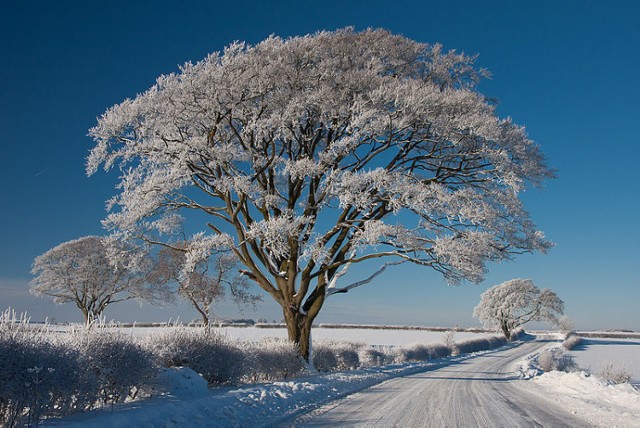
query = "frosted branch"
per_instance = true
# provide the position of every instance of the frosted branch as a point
(351, 286)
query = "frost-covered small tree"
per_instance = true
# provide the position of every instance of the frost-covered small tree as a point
(514, 303)
(565, 323)
(93, 272)
(203, 281)
(314, 153)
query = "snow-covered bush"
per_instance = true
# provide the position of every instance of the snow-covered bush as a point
(566, 363)
(38, 377)
(547, 361)
(347, 355)
(324, 359)
(473, 345)
(371, 357)
(555, 359)
(209, 354)
(613, 374)
(414, 352)
(571, 342)
(420, 352)
(481, 344)
(437, 350)
(329, 356)
(271, 360)
(120, 367)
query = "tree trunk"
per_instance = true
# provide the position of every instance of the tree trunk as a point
(204, 313)
(86, 313)
(206, 317)
(299, 330)
(504, 325)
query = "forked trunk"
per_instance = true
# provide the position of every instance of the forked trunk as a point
(299, 331)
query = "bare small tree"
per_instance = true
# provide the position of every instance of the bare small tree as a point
(93, 272)
(565, 324)
(202, 282)
(516, 302)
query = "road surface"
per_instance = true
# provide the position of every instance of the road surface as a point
(482, 391)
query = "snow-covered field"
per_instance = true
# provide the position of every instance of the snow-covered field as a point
(386, 337)
(594, 353)
(367, 336)
(586, 395)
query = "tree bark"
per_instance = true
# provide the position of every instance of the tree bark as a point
(504, 325)
(299, 330)
(299, 321)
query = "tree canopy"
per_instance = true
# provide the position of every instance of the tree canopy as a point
(514, 303)
(313, 153)
(207, 282)
(93, 272)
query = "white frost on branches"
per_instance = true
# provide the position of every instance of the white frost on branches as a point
(274, 234)
(515, 302)
(200, 247)
(310, 148)
(93, 272)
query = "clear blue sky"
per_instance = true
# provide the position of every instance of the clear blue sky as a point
(568, 70)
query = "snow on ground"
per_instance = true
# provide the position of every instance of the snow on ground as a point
(622, 353)
(590, 398)
(369, 336)
(271, 404)
(583, 394)
(187, 403)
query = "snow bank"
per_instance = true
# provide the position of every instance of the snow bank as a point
(590, 398)
(582, 394)
(273, 403)
(180, 382)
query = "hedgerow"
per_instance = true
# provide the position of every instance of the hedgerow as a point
(46, 373)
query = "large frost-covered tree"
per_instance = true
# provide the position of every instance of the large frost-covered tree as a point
(93, 272)
(514, 303)
(314, 153)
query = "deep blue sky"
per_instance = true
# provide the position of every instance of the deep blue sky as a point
(568, 70)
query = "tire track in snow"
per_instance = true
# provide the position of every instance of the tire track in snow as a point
(480, 391)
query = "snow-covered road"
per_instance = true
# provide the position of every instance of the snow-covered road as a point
(481, 391)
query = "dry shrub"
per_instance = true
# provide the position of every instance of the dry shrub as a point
(371, 357)
(571, 342)
(555, 359)
(118, 365)
(613, 374)
(216, 359)
(330, 356)
(271, 360)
